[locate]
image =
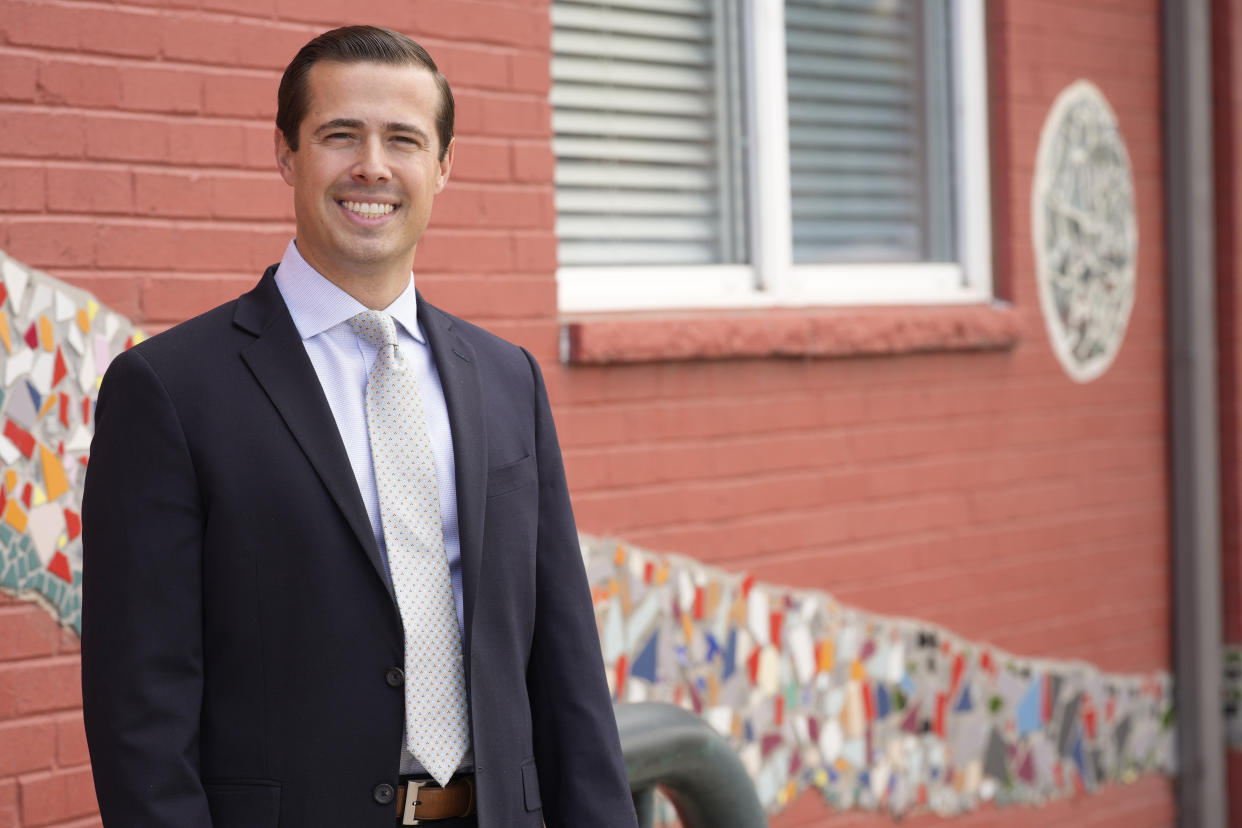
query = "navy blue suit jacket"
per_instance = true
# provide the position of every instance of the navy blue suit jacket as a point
(238, 622)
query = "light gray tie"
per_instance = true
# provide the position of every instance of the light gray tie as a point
(436, 725)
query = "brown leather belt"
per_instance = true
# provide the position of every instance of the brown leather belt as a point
(420, 800)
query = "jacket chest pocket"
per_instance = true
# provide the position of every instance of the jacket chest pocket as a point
(243, 803)
(511, 476)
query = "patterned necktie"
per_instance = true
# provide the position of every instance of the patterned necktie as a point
(436, 726)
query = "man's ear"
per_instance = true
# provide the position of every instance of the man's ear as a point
(284, 157)
(446, 165)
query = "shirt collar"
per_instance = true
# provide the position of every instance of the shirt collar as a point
(316, 304)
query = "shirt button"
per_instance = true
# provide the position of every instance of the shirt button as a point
(394, 677)
(383, 793)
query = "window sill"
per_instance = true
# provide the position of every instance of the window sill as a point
(606, 339)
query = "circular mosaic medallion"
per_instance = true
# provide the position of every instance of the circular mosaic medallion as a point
(1084, 231)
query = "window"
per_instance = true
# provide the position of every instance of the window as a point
(716, 153)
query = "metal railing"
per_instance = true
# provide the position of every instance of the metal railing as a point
(671, 749)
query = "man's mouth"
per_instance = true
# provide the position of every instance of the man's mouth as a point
(368, 209)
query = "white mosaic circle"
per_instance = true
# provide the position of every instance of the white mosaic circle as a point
(1084, 231)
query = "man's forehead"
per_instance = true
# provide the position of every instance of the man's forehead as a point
(367, 72)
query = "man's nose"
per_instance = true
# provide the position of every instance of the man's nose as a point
(372, 162)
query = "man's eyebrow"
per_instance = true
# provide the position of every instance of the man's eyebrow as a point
(354, 123)
(399, 126)
(339, 123)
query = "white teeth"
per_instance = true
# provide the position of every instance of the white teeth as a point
(368, 209)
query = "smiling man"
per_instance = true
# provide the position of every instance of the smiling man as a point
(333, 573)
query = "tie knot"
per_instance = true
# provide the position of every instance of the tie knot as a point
(375, 327)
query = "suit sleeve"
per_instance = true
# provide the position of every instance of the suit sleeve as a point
(582, 777)
(142, 651)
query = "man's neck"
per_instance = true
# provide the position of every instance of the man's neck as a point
(376, 289)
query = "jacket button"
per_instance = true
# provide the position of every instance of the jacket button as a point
(394, 677)
(383, 793)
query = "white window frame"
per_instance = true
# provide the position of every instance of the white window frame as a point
(772, 279)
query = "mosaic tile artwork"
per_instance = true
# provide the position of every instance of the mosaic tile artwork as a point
(55, 342)
(1084, 230)
(875, 712)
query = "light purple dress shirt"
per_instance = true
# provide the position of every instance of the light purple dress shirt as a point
(321, 313)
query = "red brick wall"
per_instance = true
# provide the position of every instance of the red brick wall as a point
(986, 492)
(136, 161)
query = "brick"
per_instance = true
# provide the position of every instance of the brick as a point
(71, 746)
(453, 251)
(535, 251)
(524, 208)
(257, 8)
(328, 12)
(39, 24)
(533, 162)
(162, 246)
(42, 686)
(10, 808)
(459, 205)
(127, 32)
(241, 95)
(473, 67)
(514, 116)
(89, 190)
(22, 187)
(267, 246)
(29, 745)
(484, 22)
(18, 77)
(523, 297)
(478, 159)
(41, 134)
(167, 89)
(57, 796)
(175, 194)
(264, 197)
(205, 143)
(52, 242)
(117, 137)
(229, 42)
(259, 145)
(178, 298)
(531, 72)
(69, 641)
(26, 631)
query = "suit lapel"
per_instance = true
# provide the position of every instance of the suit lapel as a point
(459, 377)
(279, 362)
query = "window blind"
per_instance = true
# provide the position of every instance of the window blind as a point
(868, 155)
(647, 119)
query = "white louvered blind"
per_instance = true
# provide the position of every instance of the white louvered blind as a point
(869, 150)
(648, 136)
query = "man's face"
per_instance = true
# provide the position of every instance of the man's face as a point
(366, 169)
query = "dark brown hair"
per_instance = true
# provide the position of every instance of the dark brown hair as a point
(356, 44)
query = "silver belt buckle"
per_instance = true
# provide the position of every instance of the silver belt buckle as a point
(411, 801)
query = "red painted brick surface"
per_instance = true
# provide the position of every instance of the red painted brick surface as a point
(984, 491)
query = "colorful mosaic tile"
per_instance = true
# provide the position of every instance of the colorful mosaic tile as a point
(875, 712)
(57, 341)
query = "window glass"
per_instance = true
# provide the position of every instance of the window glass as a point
(868, 132)
(648, 133)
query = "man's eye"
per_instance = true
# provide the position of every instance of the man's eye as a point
(405, 139)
